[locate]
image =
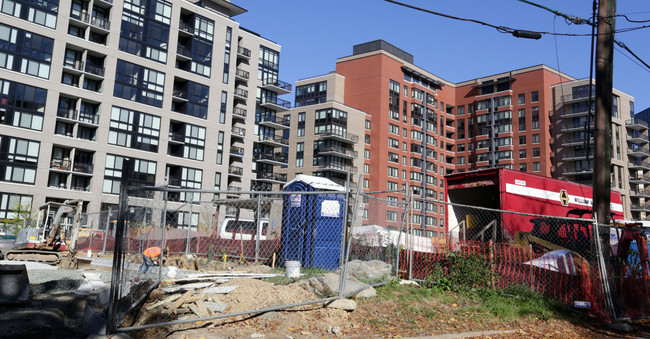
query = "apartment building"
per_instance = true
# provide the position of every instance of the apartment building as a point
(177, 86)
(516, 119)
(325, 135)
(574, 140)
(638, 165)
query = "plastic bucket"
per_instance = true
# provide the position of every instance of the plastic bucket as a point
(293, 269)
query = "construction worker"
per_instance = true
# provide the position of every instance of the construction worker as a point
(150, 258)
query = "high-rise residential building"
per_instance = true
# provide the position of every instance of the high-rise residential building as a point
(516, 119)
(326, 138)
(574, 140)
(639, 166)
(178, 86)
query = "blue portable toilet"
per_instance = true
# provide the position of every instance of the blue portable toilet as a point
(312, 224)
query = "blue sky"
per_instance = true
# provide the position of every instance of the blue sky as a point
(313, 34)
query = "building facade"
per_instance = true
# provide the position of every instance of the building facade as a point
(177, 86)
(516, 119)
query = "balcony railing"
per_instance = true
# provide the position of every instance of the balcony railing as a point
(277, 156)
(67, 113)
(241, 92)
(176, 136)
(274, 138)
(344, 135)
(186, 27)
(277, 101)
(179, 93)
(644, 192)
(94, 69)
(89, 117)
(577, 154)
(338, 149)
(272, 176)
(639, 164)
(274, 119)
(240, 112)
(278, 83)
(636, 121)
(60, 164)
(338, 167)
(235, 170)
(238, 131)
(244, 51)
(82, 16)
(82, 167)
(186, 52)
(101, 23)
(242, 74)
(638, 135)
(639, 149)
(571, 97)
(237, 150)
(77, 64)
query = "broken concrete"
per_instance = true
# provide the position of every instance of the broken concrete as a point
(343, 304)
(219, 290)
(328, 285)
(186, 287)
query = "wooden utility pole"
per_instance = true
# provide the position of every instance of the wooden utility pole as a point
(603, 131)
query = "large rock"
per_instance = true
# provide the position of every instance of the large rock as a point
(373, 270)
(343, 304)
(328, 285)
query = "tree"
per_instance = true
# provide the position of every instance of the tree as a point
(21, 217)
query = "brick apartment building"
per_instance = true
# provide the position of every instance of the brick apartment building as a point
(507, 120)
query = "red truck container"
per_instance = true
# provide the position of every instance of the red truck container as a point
(509, 190)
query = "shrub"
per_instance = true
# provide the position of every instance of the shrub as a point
(460, 272)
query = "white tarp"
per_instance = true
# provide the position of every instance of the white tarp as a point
(557, 261)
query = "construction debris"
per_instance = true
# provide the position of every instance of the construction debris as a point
(218, 290)
(186, 287)
(166, 300)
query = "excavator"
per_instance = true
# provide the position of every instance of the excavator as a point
(52, 250)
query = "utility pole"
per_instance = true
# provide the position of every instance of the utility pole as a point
(603, 131)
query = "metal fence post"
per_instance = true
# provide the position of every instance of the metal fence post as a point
(258, 232)
(607, 293)
(163, 231)
(189, 227)
(342, 264)
(108, 224)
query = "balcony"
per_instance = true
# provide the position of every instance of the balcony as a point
(640, 193)
(276, 178)
(240, 94)
(183, 53)
(338, 135)
(177, 138)
(233, 192)
(74, 65)
(583, 96)
(179, 94)
(571, 141)
(277, 104)
(81, 16)
(337, 167)
(273, 121)
(570, 113)
(277, 86)
(273, 140)
(637, 137)
(338, 151)
(243, 52)
(579, 155)
(277, 158)
(236, 171)
(236, 151)
(100, 23)
(241, 74)
(60, 164)
(639, 207)
(577, 127)
(82, 167)
(239, 113)
(640, 179)
(639, 165)
(638, 151)
(89, 118)
(67, 114)
(95, 70)
(238, 132)
(578, 171)
(185, 27)
(636, 124)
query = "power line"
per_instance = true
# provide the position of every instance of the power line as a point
(631, 59)
(506, 29)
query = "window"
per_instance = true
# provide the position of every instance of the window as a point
(536, 153)
(535, 117)
(393, 129)
(22, 105)
(522, 140)
(366, 168)
(134, 129)
(521, 99)
(537, 167)
(220, 138)
(460, 160)
(368, 124)
(391, 216)
(393, 143)
(534, 96)
(522, 167)
(139, 84)
(535, 138)
(366, 154)
(144, 174)
(392, 186)
(25, 52)
(393, 172)
(8, 204)
(301, 131)
(522, 154)
(19, 161)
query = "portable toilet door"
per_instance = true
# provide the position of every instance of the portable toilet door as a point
(324, 247)
(296, 218)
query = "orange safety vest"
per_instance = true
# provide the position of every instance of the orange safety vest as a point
(152, 252)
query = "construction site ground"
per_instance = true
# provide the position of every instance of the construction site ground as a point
(56, 311)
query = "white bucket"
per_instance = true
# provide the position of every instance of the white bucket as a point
(293, 269)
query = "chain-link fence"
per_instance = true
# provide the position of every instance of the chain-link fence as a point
(245, 242)
(234, 253)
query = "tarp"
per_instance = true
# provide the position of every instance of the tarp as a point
(557, 261)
